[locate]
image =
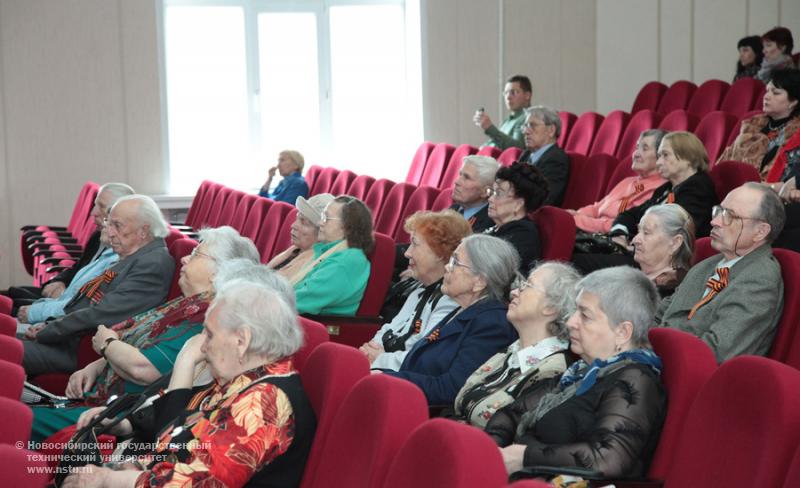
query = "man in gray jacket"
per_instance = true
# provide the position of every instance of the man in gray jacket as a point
(138, 282)
(733, 300)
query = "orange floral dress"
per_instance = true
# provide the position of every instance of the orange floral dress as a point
(227, 433)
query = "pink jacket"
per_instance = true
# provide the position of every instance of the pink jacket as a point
(599, 216)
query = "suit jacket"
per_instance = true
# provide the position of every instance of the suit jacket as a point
(554, 165)
(743, 317)
(524, 236)
(696, 195)
(142, 281)
(480, 221)
(441, 367)
(88, 254)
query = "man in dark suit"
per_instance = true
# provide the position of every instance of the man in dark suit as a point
(541, 135)
(138, 282)
(733, 300)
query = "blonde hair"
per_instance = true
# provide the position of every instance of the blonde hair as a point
(296, 158)
(687, 146)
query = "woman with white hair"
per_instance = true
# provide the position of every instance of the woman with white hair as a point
(140, 350)
(293, 185)
(539, 309)
(605, 412)
(252, 425)
(477, 278)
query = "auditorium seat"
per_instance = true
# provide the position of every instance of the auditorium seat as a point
(435, 167)
(13, 376)
(417, 166)
(742, 97)
(8, 325)
(283, 239)
(567, 121)
(324, 181)
(227, 213)
(785, 347)
(708, 97)
(642, 121)
(197, 202)
(377, 196)
(265, 242)
(220, 200)
(314, 334)
(389, 217)
(311, 177)
(676, 97)
(491, 151)
(556, 231)
(342, 183)
(728, 175)
(649, 96)
(422, 199)
(609, 133)
(509, 156)
(21, 467)
(178, 250)
(360, 186)
(582, 135)
(200, 219)
(713, 130)
(587, 179)
(623, 170)
(242, 211)
(16, 427)
(758, 99)
(11, 349)
(678, 120)
(737, 127)
(454, 165)
(442, 453)
(443, 201)
(6, 304)
(702, 250)
(258, 213)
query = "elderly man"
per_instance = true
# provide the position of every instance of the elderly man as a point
(733, 301)
(542, 129)
(53, 289)
(517, 94)
(469, 191)
(138, 282)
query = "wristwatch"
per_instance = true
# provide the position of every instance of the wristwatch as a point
(105, 346)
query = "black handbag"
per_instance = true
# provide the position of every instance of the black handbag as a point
(598, 243)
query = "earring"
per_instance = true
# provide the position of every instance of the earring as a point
(618, 348)
(241, 360)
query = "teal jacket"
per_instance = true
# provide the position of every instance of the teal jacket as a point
(336, 285)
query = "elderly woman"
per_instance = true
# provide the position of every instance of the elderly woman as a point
(751, 54)
(778, 45)
(290, 166)
(143, 348)
(664, 246)
(333, 282)
(305, 231)
(629, 192)
(434, 237)
(253, 425)
(478, 277)
(762, 136)
(587, 418)
(539, 309)
(518, 190)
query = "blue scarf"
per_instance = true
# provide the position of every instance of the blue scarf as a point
(586, 374)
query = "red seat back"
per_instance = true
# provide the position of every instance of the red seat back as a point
(324, 181)
(491, 151)
(441, 453)
(703, 250)
(329, 374)
(209, 198)
(417, 166)
(567, 121)
(582, 135)
(311, 177)
(688, 363)
(676, 97)
(422, 199)
(5, 305)
(793, 476)
(17, 425)
(509, 156)
(443, 200)
(179, 249)
(374, 421)
(749, 401)
(229, 210)
(642, 121)
(587, 179)
(437, 161)
(283, 239)
(737, 127)
(377, 195)
(197, 202)
(314, 334)
(713, 130)
(557, 232)
(11, 349)
(729, 175)
(360, 186)
(220, 200)
(265, 242)
(13, 376)
(742, 96)
(258, 213)
(708, 97)
(454, 165)
(392, 208)
(8, 325)
(679, 120)
(649, 96)
(242, 211)
(609, 133)
(342, 183)
(21, 467)
(785, 347)
(381, 261)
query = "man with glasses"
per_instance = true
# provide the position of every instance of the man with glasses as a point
(517, 94)
(541, 129)
(733, 300)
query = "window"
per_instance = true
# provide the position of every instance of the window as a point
(337, 80)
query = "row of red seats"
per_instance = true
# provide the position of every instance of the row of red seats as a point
(738, 98)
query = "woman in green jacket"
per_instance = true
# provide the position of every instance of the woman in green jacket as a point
(333, 282)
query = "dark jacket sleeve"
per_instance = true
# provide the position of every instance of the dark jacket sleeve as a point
(697, 196)
(554, 165)
(502, 427)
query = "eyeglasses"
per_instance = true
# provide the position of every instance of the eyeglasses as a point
(323, 218)
(529, 126)
(196, 253)
(728, 216)
(521, 284)
(451, 265)
(497, 192)
(115, 224)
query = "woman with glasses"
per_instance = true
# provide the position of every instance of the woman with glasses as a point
(434, 237)
(478, 278)
(304, 233)
(140, 350)
(334, 280)
(539, 309)
(518, 190)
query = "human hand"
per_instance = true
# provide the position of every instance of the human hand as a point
(87, 417)
(512, 457)
(191, 353)
(101, 336)
(571, 211)
(89, 476)
(272, 171)
(31, 333)
(54, 289)
(622, 241)
(372, 350)
(406, 274)
(22, 313)
(482, 120)
(80, 382)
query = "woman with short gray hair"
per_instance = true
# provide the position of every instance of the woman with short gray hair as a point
(477, 278)
(540, 306)
(612, 396)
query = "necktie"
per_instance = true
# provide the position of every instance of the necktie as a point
(714, 287)
(623, 205)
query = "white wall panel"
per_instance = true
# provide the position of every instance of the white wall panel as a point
(762, 15)
(675, 40)
(718, 25)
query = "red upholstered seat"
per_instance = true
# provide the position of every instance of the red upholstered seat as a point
(742, 428)
(567, 121)
(422, 199)
(676, 97)
(17, 418)
(242, 211)
(389, 217)
(649, 96)
(417, 166)
(679, 120)
(582, 135)
(179, 249)
(6, 304)
(311, 177)
(265, 242)
(702, 250)
(785, 347)
(258, 213)
(793, 476)
(437, 161)
(713, 130)
(11, 349)
(688, 363)
(587, 179)
(509, 156)
(643, 120)
(283, 239)
(198, 202)
(742, 97)
(314, 334)
(375, 419)
(491, 151)
(441, 453)
(13, 376)
(708, 97)
(454, 165)
(377, 195)
(21, 467)
(342, 183)
(200, 219)
(329, 374)
(324, 181)
(381, 261)
(220, 199)
(360, 186)
(729, 175)
(529, 484)
(8, 325)
(609, 133)
(557, 233)
(443, 201)
(226, 217)
(738, 126)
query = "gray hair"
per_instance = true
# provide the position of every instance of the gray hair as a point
(147, 213)
(274, 328)
(495, 260)
(560, 293)
(675, 221)
(546, 115)
(625, 294)
(224, 243)
(658, 134)
(246, 270)
(116, 191)
(770, 209)
(485, 165)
